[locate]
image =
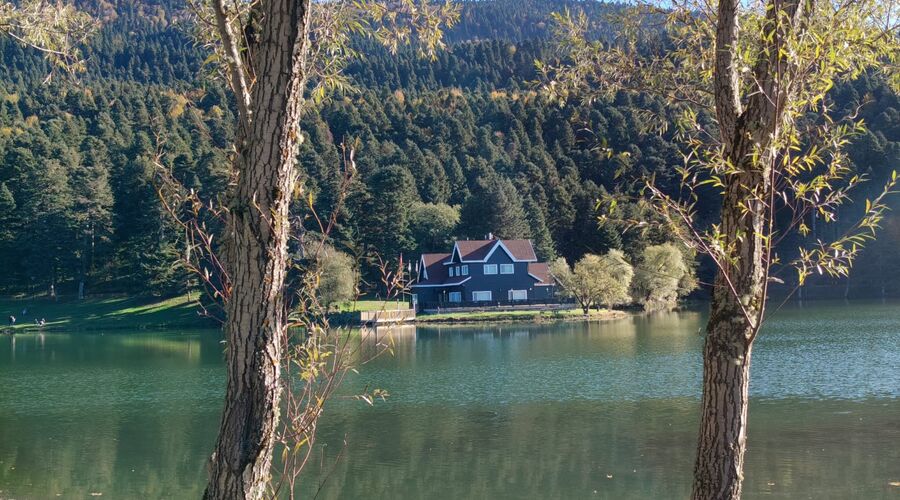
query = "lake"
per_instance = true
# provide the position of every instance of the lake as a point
(564, 410)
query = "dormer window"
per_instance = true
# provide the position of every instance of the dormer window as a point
(490, 269)
(451, 272)
(464, 269)
(507, 269)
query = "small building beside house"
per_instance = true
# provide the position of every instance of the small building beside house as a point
(483, 272)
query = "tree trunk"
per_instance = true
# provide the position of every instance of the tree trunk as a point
(737, 301)
(735, 307)
(739, 294)
(718, 470)
(258, 229)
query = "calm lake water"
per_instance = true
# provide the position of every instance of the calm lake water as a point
(570, 410)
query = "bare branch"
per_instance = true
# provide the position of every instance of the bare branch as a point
(236, 70)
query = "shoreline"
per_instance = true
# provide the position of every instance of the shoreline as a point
(123, 313)
(136, 314)
(450, 319)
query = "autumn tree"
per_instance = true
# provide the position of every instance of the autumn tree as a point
(749, 83)
(595, 280)
(620, 271)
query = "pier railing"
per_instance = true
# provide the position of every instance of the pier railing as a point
(386, 316)
(511, 305)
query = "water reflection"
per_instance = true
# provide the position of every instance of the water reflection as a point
(626, 450)
(551, 410)
(129, 416)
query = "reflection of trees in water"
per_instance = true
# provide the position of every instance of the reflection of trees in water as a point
(117, 452)
(666, 330)
(200, 347)
(126, 415)
(566, 450)
(78, 413)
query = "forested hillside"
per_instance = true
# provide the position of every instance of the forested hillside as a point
(464, 138)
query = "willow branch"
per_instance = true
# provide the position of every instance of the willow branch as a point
(235, 64)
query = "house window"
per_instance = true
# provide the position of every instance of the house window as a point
(481, 296)
(518, 295)
(455, 297)
(451, 272)
(490, 269)
(507, 269)
(457, 271)
(465, 270)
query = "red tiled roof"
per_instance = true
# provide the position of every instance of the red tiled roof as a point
(479, 249)
(541, 271)
(434, 258)
(435, 264)
(521, 249)
(434, 268)
(474, 249)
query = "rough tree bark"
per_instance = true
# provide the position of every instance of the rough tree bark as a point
(738, 301)
(269, 91)
(718, 470)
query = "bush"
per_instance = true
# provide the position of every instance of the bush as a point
(595, 279)
(661, 278)
(337, 278)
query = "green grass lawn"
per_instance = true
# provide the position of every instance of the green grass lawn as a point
(558, 314)
(118, 313)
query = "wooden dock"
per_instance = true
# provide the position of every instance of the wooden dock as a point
(387, 317)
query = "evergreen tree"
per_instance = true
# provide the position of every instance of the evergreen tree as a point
(494, 207)
(461, 126)
(540, 233)
(92, 209)
(386, 220)
(46, 223)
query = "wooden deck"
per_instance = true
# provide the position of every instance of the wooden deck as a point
(387, 317)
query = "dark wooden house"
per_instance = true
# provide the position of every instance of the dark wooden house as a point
(482, 273)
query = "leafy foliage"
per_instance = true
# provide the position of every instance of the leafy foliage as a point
(661, 277)
(337, 277)
(595, 280)
(432, 226)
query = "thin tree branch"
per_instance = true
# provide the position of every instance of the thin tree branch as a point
(238, 75)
